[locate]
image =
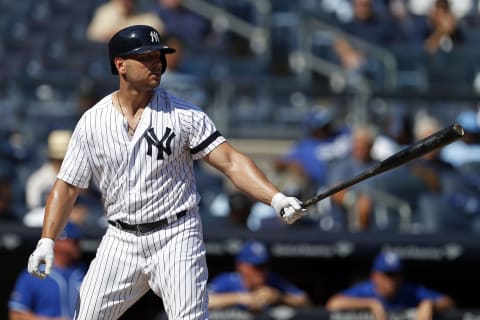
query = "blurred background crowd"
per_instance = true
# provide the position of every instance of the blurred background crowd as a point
(315, 91)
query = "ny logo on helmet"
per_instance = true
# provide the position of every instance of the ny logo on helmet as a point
(154, 36)
(163, 145)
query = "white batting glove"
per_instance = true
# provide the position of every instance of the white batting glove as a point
(289, 209)
(43, 254)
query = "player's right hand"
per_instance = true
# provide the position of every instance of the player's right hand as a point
(43, 254)
(289, 209)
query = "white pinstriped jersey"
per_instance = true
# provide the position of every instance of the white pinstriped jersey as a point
(147, 177)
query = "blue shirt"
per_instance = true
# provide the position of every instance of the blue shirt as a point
(376, 29)
(459, 153)
(314, 154)
(232, 282)
(54, 296)
(409, 295)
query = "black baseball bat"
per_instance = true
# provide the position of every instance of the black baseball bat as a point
(415, 150)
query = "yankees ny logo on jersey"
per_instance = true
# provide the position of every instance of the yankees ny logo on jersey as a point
(163, 145)
(154, 36)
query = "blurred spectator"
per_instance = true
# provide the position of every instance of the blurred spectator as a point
(396, 132)
(87, 211)
(13, 150)
(15, 157)
(114, 15)
(240, 206)
(457, 208)
(307, 160)
(442, 30)
(182, 79)
(369, 25)
(253, 286)
(7, 212)
(386, 291)
(192, 29)
(351, 59)
(422, 176)
(406, 24)
(55, 296)
(40, 182)
(230, 209)
(467, 149)
(210, 186)
(430, 168)
(353, 207)
(86, 96)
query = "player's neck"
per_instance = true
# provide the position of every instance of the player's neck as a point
(131, 102)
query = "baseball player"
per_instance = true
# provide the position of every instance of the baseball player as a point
(138, 144)
(54, 298)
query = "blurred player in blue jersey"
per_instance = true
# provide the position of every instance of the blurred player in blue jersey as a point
(386, 291)
(55, 296)
(252, 286)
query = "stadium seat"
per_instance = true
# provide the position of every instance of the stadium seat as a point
(437, 214)
(401, 183)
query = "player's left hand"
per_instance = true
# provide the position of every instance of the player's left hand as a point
(43, 254)
(289, 209)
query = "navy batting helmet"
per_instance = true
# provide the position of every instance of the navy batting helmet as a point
(134, 40)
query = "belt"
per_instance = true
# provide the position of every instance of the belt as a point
(148, 227)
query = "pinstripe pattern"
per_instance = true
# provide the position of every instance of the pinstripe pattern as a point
(139, 185)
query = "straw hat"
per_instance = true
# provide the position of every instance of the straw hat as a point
(57, 143)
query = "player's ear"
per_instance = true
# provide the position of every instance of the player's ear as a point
(119, 64)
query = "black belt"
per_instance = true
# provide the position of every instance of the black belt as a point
(148, 227)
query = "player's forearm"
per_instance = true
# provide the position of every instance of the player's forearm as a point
(248, 178)
(242, 172)
(60, 202)
(296, 300)
(349, 303)
(225, 300)
(443, 304)
(21, 315)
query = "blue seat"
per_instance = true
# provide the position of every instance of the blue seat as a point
(436, 213)
(402, 184)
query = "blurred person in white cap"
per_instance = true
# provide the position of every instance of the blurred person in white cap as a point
(41, 180)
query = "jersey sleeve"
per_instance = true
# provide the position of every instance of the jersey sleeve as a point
(360, 290)
(75, 168)
(424, 293)
(224, 283)
(22, 296)
(203, 136)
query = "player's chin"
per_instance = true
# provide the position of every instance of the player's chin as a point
(154, 79)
